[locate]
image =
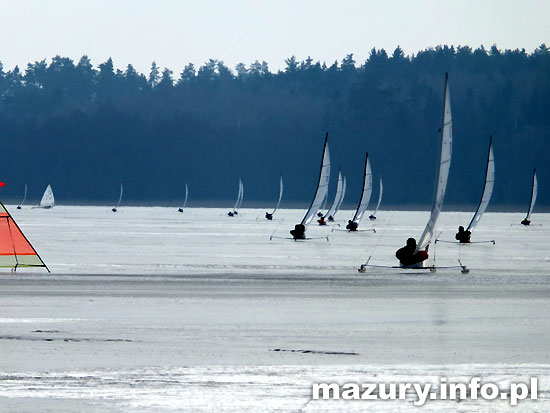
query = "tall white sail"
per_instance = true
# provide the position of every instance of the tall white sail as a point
(322, 185)
(443, 164)
(342, 197)
(186, 196)
(367, 191)
(280, 194)
(381, 190)
(239, 196)
(47, 200)
(533, 194)
(487, 188)
(24, 197)
(120, 197)
(337, 197)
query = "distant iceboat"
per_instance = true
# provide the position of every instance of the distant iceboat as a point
(353, 223)
(526, 221)
(185, 201)
(47, 200)
(269, 216)
(24, 197)
(372, 216)
(239, 200)
(115, 209)
(338, 199)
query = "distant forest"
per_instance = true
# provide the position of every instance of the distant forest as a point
(84, 128)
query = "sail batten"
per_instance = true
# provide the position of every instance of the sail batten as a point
(487, 188)
(322, 185)
(443, 164)
(366, 193)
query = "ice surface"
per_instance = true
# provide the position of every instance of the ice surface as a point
(151, 310)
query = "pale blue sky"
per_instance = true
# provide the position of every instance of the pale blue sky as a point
(174, 33)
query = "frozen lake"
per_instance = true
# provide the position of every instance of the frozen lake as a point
(152, 310)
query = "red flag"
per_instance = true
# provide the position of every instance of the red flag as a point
(2, 184)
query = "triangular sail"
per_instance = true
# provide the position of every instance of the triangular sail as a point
(443, 164)
(322, 185)
(241, 194)
(487, 188)
(47, 200)
(534, 190)
(15, 249)
(337, 197)
(280, 194)
(341, 198)
(238, 195)
(379, 198)
(366, 193)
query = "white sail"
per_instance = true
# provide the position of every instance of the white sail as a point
(24, 197)
(534, 190)
(444, 162)
(487, 188)
(280, 194)
(239, 195)
(341, 198)
(120, 197)
(186, 195)
(47, 200)
(322, 185)
(337, 197)
(367, 191)
(379, 198)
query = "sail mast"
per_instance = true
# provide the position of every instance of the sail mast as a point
(444, 162)
(487, 188)
(322, 185)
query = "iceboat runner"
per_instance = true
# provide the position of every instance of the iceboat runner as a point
(15, 249)
(526, 221)
(463, 236)
(115, 209)
(338, 199)
(185, 201)
(239, 201)
(413, 255)
(372, 216)
(353, 224)
(299, 231)
(269, 216)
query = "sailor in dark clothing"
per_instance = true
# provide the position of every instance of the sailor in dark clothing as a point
(180, 209)
(319, 214)
(407, 255)
(230, 214)
(299, 232)
(525, 222)
(322, 221)
(330, 219)
(352, 226)
(268, 216)
(372, 217)
(463, 236)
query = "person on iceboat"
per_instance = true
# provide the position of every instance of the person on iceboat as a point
(330, 219)
(372, 217)
(407, 255)
(299, 232)
(322, 221)
(268, 216)
(463, 236)
(319, 214)
(525, 222)
(230, 214)
(352, 226)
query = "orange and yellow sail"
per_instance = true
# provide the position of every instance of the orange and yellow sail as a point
(15, 249)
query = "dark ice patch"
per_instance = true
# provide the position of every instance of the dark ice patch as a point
(332, 353)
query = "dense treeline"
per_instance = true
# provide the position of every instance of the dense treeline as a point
(85, 129)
